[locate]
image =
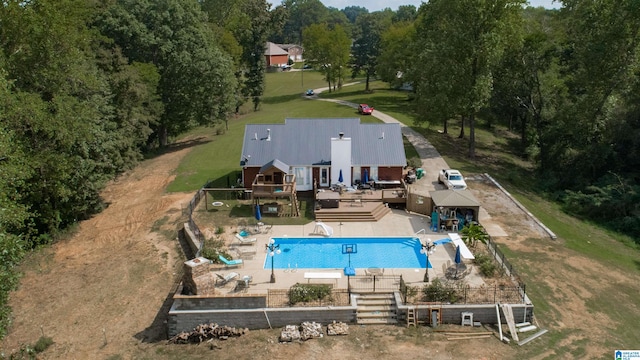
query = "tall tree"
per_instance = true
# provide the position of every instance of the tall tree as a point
(396, 52)
(460, 42)
(366, 47)
(328, 50)
(302, 14)
(252, 30)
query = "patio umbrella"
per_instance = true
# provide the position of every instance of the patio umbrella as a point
(457, 260)
(258, 215)
(340, 178)
(365, 178)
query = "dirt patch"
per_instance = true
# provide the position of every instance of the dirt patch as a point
(105, 291)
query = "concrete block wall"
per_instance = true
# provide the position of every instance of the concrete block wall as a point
(195, 303)
(485, 314)
(187, 320)
(191, 238)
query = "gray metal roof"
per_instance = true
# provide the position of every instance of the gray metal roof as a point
(304, 142)
(276, 164)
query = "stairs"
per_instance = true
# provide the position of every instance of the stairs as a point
(370, 211)
(376, 308)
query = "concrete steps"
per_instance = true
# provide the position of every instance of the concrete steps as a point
(352, 214)
(377, 308)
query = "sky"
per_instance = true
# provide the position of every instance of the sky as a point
(375, 5)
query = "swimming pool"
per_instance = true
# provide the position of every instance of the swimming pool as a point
(327, 253)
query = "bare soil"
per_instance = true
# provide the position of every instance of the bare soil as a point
(105, 291)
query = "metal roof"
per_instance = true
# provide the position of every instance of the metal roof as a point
(307, 141)
(276, 164)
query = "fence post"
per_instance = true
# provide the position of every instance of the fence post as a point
(495, 290)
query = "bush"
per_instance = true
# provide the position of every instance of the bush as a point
(308, 292)
(486, 264)
(414, 162)
(42, 344)
(439, 291)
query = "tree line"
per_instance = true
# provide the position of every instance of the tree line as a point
(88, 88)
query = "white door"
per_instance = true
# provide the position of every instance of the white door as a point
(324, 176)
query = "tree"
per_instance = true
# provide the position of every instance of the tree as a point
(405, 13)
(302, 14)
(366, 47)
(461, 41)
(251, 31)
(328, 50)
(354, 12)
(396, 51)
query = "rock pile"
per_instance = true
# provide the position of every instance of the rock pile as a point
(205, 332)
(289, 333)
(310, 330)
(339, 328)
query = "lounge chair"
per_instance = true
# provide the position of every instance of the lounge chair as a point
(244, 240)
(223, 280)
(229, 263)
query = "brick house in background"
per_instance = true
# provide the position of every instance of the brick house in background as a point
(275, 55)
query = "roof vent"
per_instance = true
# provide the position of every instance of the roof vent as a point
(341, 134)
(382, 137)
(255, 136)
(268, 134)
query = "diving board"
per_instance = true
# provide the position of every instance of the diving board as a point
(464, 250)
(323, 229)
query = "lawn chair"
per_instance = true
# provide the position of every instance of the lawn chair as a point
(230, 263)
(223, 280)
(245, 240)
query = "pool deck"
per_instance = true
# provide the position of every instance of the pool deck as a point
(398, 223)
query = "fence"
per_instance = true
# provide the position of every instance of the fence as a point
(374, 283)
(191, 207)
(506, 266)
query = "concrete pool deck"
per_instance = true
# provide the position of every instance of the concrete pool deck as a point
(398, 223)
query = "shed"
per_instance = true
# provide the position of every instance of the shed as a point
(461, 201)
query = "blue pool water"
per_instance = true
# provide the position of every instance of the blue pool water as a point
(327, 253)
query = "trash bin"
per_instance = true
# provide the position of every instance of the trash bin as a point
(419, 173)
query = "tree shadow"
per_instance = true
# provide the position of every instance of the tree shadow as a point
(177, 146)
(281, 98)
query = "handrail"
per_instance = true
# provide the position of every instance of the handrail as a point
(421, 231)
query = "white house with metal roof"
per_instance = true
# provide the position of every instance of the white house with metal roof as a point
(312, 151)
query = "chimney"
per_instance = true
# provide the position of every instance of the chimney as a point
(341, 135)
(268, 134)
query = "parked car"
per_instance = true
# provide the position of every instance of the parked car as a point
(452, 179)
(365, 109)
(310, 92)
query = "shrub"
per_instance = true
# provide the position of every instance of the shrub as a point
(439, 291)
(42, 344)
(414, 162)
(308, 292)
(486, 264)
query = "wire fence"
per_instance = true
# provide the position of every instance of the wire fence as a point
(506, 266)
